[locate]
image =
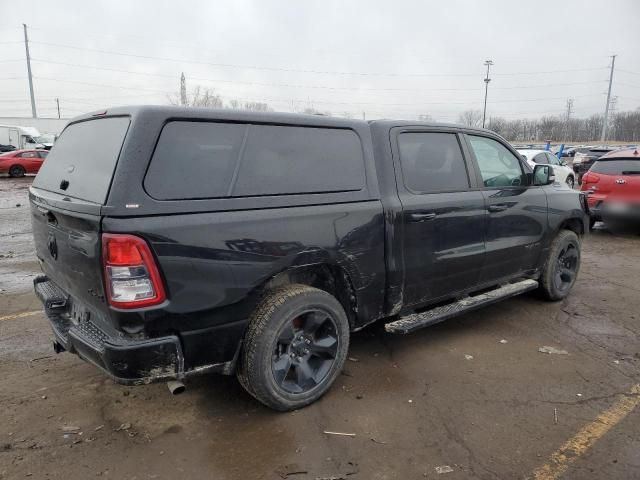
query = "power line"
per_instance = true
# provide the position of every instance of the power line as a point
(320, 87)
(329, 102)
(628, 71)
(292, 70)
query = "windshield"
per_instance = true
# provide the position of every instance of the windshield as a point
(82, 162)
(45, 138)
(617, 167)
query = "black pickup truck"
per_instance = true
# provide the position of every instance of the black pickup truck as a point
(199, 240)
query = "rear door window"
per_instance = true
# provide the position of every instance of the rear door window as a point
(212, 160)
(84, 158)
(194, 160)
(288, 160)
(432, 162)
(540, 158)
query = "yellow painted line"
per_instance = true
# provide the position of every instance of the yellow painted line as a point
(582, 441)
(20, 315)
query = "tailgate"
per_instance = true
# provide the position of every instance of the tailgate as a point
(68, 247)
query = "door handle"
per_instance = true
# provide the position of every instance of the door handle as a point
(422, 217)
(500, 207)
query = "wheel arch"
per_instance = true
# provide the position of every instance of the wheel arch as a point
(330, 278)
(573, 224)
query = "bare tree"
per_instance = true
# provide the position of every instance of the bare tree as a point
(498, 125)
(470, 118)
(199, 98)
(256, 107)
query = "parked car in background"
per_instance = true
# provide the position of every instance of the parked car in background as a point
(6, 148)
(200, 240)
(569, 152)
(563, 173)
(20, 162)
(585, 157)
(613, 187)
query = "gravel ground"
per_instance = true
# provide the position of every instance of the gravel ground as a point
(472, 397)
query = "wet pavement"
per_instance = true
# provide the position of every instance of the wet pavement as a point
(472, 397)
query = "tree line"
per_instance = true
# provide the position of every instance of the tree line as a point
(623, 127)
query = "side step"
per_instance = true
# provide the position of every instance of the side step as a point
(416, 321)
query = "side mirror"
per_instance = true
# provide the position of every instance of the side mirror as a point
(543, 175)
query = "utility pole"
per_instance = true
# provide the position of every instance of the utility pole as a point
(488, 63)
(26, 48)
(568, 119)
(183, 90)
(606, 109)
(58, 104)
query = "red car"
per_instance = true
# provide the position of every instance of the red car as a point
(20, 162)
(613, 187)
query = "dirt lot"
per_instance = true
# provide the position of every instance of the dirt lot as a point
(474, 393)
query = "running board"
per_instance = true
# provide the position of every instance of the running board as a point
(416, 321)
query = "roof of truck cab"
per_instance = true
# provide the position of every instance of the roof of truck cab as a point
(411, 123)
(176, 112)
(197, 113)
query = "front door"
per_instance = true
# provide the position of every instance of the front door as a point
(517, 211)
(443, 219)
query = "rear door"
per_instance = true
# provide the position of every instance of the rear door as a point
(517, 212)
(30, 161)
(443, 219)
(66, 200)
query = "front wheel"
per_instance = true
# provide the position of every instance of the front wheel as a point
(296, 344)
(561, 267)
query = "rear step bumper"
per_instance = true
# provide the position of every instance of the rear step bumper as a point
(126, 361)
(420, 320)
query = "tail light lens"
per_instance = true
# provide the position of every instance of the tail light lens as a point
(130, 272)
(590, 177)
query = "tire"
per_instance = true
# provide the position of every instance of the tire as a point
(561, 267)
(295, 347)
(17, 171)
(592, 222)
(570, 181)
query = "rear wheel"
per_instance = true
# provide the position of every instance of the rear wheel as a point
(561, 268)
(17, 171)
(295, 347)
(570, 181)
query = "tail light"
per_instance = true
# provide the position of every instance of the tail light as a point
(130, 272)
(590, 177)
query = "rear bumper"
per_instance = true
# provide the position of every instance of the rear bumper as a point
(127, 361)
(600, 211)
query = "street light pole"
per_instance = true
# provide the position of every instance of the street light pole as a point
(26, 48)
(488, 63)
(606, 108)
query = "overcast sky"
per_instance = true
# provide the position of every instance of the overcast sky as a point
(389, 59)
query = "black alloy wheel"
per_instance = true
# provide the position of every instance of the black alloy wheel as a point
(304, 351)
